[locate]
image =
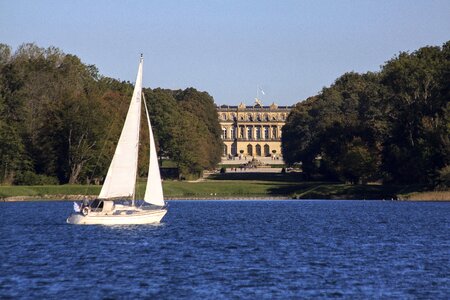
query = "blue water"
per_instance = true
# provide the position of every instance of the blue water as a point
(231, 249)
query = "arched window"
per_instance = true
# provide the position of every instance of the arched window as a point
(249, 150)
(266, 150)
(258, 150)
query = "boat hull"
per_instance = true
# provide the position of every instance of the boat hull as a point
(141, 217)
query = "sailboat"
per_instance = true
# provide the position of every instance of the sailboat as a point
(116, 204)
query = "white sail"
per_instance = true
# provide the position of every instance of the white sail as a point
(153, 192)
(121, 178)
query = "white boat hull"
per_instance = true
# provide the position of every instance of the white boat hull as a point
(136, 217)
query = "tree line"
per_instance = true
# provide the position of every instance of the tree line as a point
(60, 120)
(390, 126)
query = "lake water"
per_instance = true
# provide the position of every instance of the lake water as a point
(231, 249)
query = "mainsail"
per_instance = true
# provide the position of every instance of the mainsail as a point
(153, 192)
(121, 178)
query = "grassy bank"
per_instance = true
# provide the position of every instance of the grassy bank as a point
(240, 185)
(427, 196)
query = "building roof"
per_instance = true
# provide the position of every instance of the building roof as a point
(254, 107)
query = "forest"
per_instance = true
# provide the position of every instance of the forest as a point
(390, 126)
(60, 120)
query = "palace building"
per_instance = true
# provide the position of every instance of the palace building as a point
(252, 130)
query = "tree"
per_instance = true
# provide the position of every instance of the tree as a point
(393, 124)
(418, 144)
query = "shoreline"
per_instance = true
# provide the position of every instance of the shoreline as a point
(242, 198)
(261, 187)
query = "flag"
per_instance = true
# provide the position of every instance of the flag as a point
(262, 92)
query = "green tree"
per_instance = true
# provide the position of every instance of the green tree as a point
(393, 124)
(418, 144)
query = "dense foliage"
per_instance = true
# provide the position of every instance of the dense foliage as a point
(392, 125)
(60, 120)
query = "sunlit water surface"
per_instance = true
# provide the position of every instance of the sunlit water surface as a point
(231, 249)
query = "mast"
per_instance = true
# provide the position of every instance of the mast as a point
(141, 63)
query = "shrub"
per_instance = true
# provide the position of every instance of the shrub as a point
(223, 170)
(30, 178)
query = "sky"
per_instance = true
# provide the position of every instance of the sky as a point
(231, 49)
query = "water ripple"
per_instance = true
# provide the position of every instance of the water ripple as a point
(235, 249)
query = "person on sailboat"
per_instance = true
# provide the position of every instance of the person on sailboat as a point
(85, 202)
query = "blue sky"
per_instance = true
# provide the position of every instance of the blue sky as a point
(290, 48)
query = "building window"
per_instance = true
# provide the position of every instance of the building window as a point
(266, 150)
(249, 133)
(258, 150)
(232, 133)
(224, 133)
(224, 117)
(258, 133)
(274, 132)
(266, 133)
(249, 150)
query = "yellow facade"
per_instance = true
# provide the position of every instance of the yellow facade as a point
(252, 130)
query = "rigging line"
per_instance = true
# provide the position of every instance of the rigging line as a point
(148, 124)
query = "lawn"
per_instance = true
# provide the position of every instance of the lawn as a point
(240, 185)
(257, 185)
